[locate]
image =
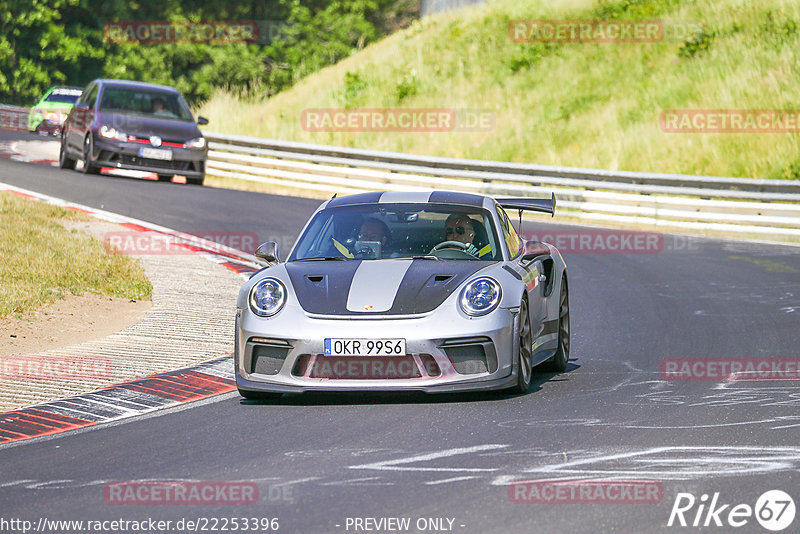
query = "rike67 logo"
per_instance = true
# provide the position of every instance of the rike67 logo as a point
(774, 510)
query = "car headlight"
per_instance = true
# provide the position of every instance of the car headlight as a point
(480, 296)
(112, 133)
(267, 297)
(197, 142)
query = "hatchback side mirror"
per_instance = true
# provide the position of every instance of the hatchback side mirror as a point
(268, 253)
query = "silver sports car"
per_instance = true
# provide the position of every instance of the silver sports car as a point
(431, 292)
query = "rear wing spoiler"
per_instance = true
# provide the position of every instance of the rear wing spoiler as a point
(542, 205)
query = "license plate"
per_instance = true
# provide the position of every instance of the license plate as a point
(365, 347)
(155, 153)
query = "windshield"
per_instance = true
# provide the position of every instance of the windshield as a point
(63, 95)
(381, 231)
(143, 102)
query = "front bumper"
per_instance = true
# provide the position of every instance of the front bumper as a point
(46, 126)
(435, 349)
(125, 155)
(47, 121)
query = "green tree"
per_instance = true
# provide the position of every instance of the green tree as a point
(47, 42)
(38, 48)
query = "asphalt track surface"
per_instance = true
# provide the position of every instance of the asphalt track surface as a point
(321, 459)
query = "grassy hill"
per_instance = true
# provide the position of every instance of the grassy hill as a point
(577, 104)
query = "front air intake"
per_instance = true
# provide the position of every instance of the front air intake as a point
(267, 356)
(471, 356)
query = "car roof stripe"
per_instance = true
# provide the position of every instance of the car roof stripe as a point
(405, 197)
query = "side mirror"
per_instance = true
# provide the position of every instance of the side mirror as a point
(82, 105)
(533, 250)
(202, 121)
(268, 253)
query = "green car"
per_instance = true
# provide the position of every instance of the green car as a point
(48, 114)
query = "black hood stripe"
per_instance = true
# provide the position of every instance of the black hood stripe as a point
(323, 287)
(428, 283)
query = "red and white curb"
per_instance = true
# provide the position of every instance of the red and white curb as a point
(120, 401)
(34, 151)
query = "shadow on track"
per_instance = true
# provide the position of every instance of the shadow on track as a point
(338, 398)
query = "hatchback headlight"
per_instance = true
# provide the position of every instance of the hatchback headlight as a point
(197, 142)
(480, 296)
(112, 133)
(267, 297)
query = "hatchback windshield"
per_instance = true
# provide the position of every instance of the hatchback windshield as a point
(373, 232)
(143, 102)
(63, 95)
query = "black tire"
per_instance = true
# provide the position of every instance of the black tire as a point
(558, 363)
(524, 355)
(88, 168)
(165, 177)
(259, 395)
(64, 161)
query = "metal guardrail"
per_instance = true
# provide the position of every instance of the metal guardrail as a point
(767, 207)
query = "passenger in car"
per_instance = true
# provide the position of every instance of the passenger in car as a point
(374, 230)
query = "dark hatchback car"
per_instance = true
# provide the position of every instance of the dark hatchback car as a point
(136, 126)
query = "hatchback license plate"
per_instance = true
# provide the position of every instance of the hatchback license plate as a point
(155, 153)
(365, 347)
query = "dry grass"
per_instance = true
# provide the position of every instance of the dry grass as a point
(41, 261)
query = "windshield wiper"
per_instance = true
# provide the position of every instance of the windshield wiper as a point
(324, 258)
(426, 257)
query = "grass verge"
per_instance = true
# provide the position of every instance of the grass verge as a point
(41, 261)
(595, 105)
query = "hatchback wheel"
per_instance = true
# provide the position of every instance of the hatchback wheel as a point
(64, 161)
(88, 167)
